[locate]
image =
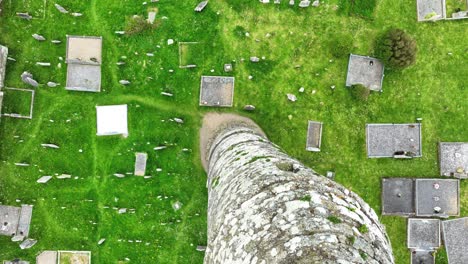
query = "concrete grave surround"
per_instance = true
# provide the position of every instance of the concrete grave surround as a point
(427, 7)
(314, 136)
(84, 59)
(398, 196)
(15, 261)
(384, 140)
(432, 193)
(455, 234)
(424, 234)
(366, 71)
(64, 256)
(32, 94)
(3, 62)
(265, 207)
(112, 120)
(453, 159)
(216, 91)
(17, 219)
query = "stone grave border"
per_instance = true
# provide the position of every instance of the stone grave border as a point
(180, 55)
(31, 108)
(59, 252)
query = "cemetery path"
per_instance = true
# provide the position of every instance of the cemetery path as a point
(161, 105)
(107, 39)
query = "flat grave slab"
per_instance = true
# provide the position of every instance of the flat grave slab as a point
(394, 140)
(84, 49)
(423, 233)
(422, 257)
(217, 91)
(429, 10)
(455, 234)
(9, 218)
(398, 196)
(453, 159)
(314, 136)
(140, 164)
(83, 77)
(366, 71)
(437, 197)
(112, 120)
(47, 257)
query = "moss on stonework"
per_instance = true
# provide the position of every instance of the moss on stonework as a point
(285, 166)
(351, 239)
(215, 182)
(334, 219)
(363, 254)
(363, 229)
(256, 158)
(306, 198)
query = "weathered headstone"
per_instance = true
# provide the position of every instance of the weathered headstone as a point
(26, 16)
(292, 97)
(249, 108)
(38, 37)
(61, 9)
(201, 6)
(44, 179)
(28, 243)
(140, 164)
(28, 79)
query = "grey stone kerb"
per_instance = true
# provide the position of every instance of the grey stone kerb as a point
(265, 207)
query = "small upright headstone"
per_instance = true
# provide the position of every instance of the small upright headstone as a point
(201, 248)
(38, 37)
(292, 97)
(151, 17)
(249, 108)
(24, 16)
(228, 67)
(177, 205)
(316, 3)
(304, 3)
(254, 59)
(61, 9)
(50, 146)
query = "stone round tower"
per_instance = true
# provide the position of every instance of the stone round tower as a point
(266, 207)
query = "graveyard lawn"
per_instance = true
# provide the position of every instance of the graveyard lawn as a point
(300, 49)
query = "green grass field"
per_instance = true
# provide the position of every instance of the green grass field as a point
(74, 214)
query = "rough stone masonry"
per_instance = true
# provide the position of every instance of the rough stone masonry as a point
(265, 207)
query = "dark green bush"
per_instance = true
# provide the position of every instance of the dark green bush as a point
(397, 49)
(341, 46)
(360, 92)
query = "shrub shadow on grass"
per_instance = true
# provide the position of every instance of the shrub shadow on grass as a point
(360, 8)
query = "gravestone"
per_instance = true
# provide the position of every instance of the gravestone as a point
(140, 164)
